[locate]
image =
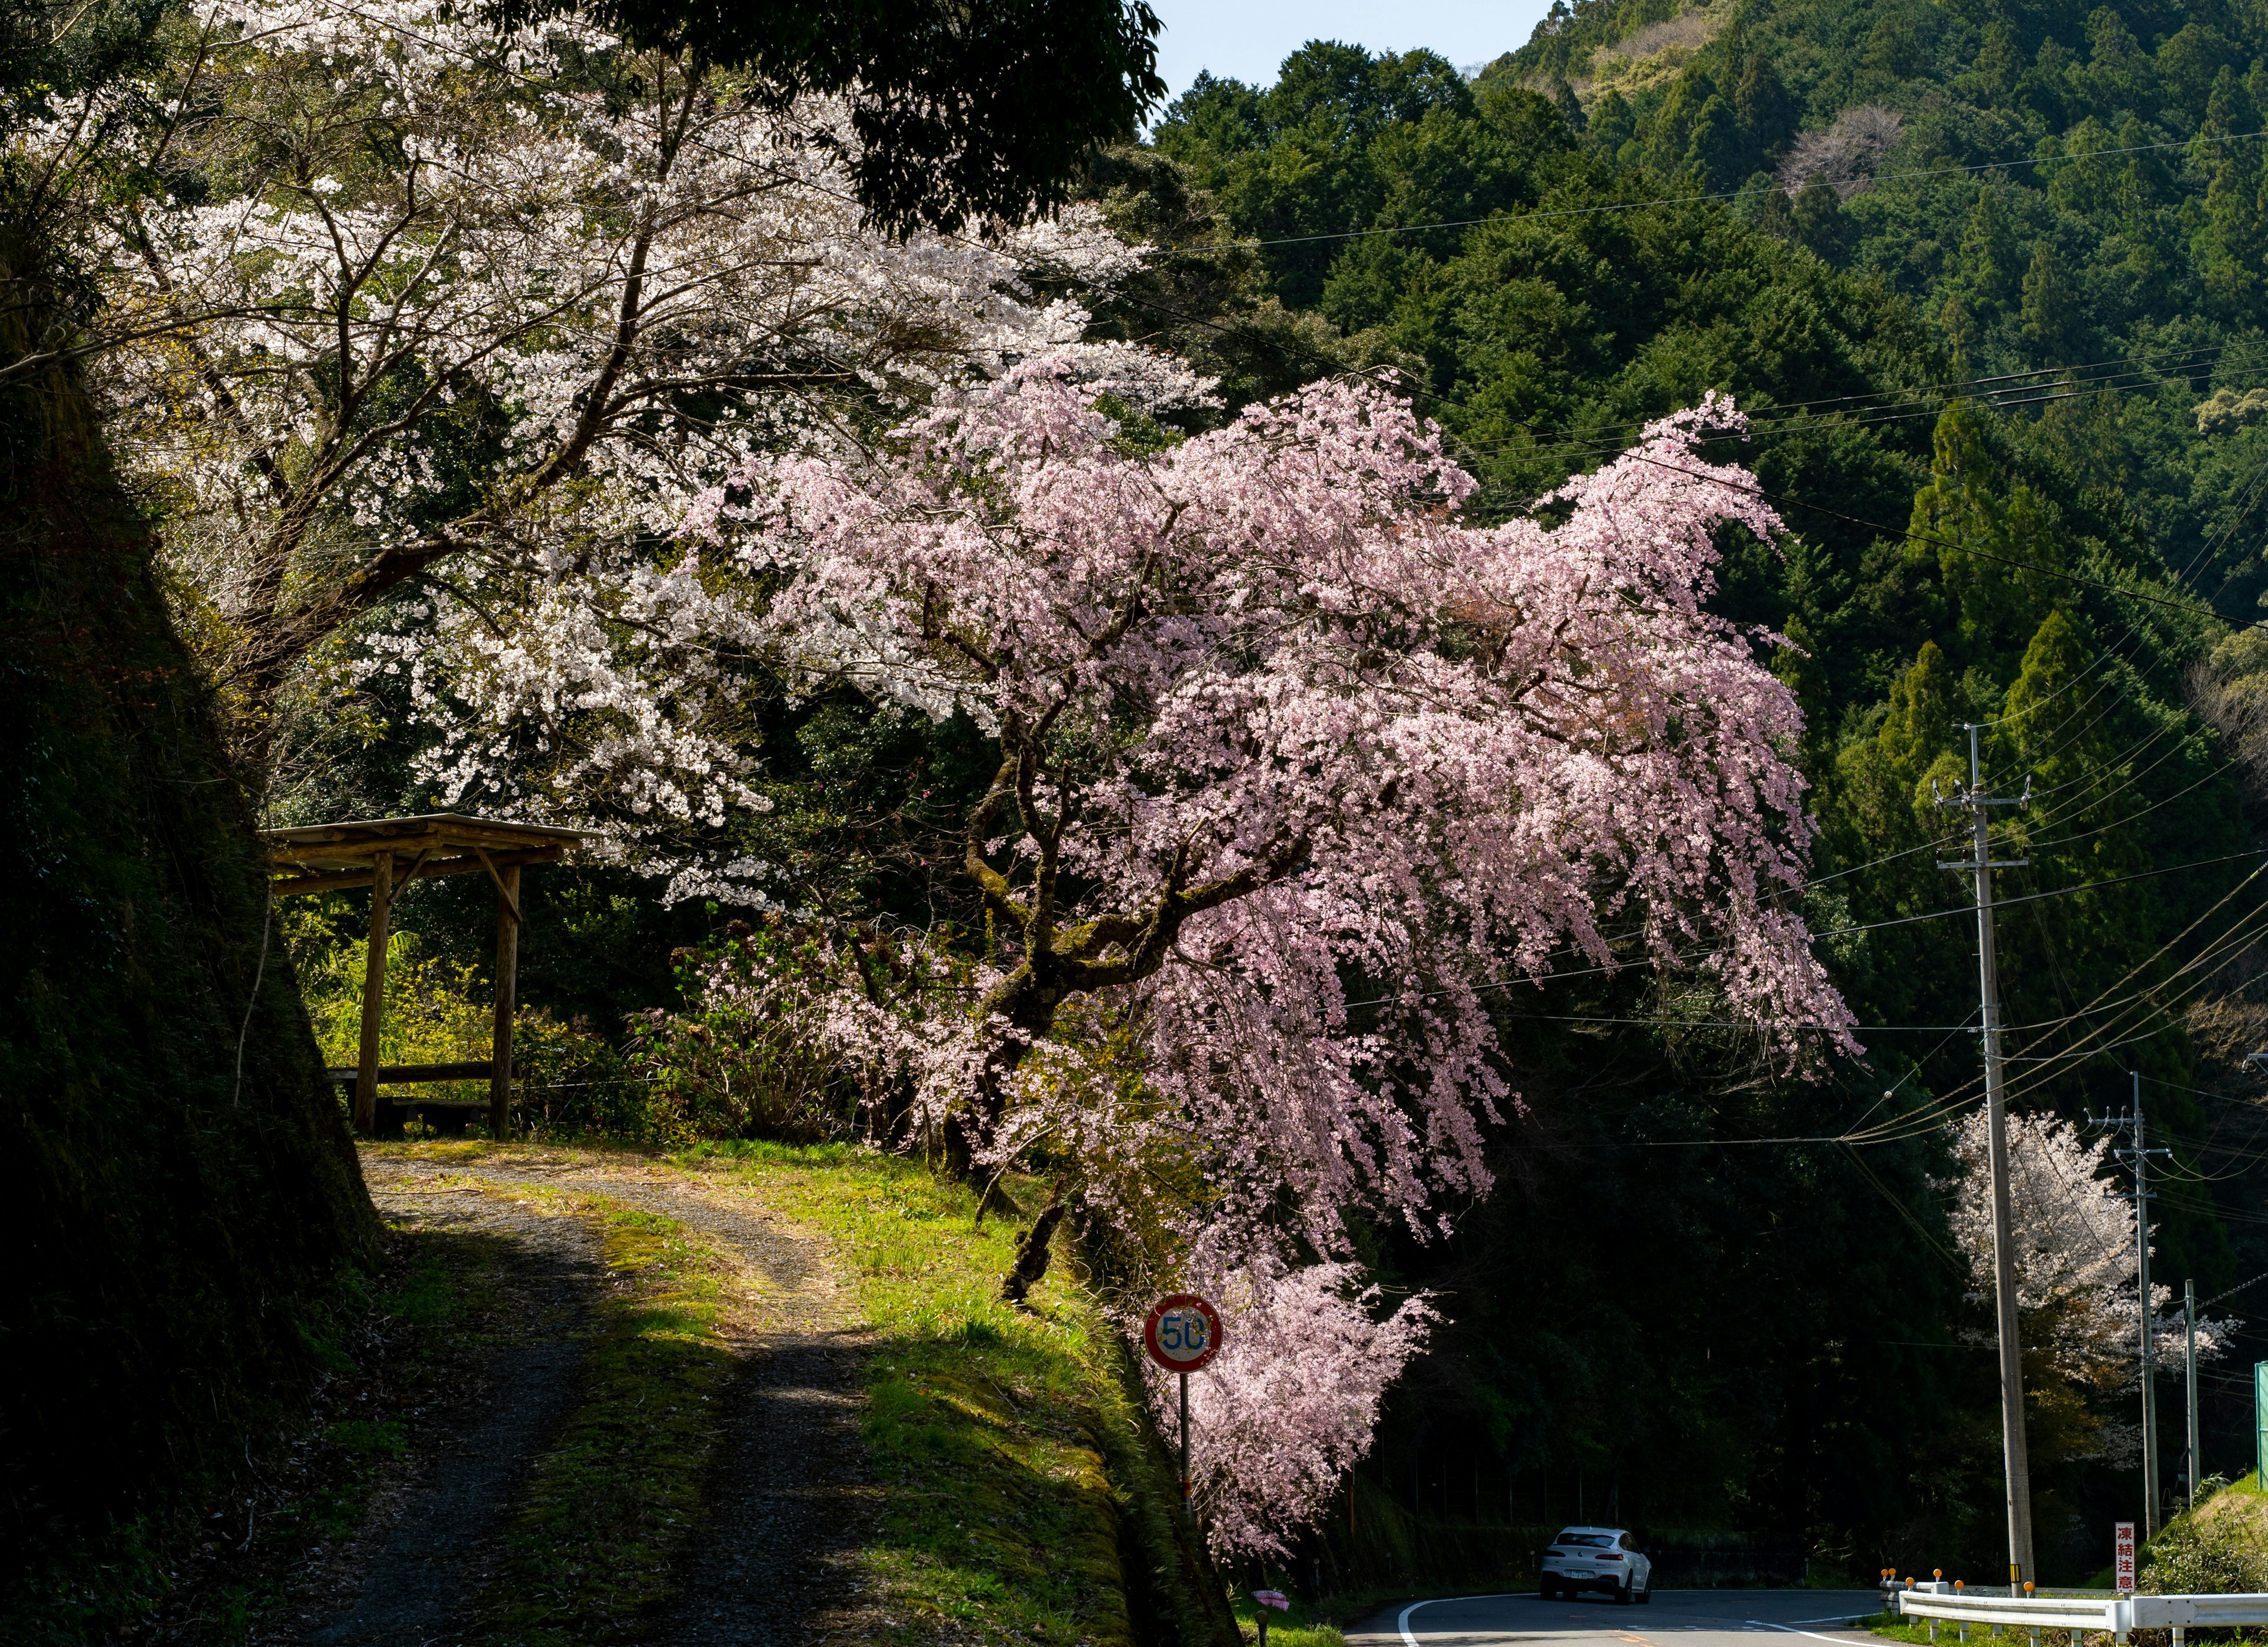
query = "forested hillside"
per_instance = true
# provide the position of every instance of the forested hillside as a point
(1985, 282)
(995, 751)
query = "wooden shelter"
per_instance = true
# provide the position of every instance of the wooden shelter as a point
(386, 855)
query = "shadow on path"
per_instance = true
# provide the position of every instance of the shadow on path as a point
(788, 1503)
(439, 1540)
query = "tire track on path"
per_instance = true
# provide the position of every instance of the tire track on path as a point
(790, 1501)
(438, 1535)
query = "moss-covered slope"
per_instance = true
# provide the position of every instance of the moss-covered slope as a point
(177, 1193)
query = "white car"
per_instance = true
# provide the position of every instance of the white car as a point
(1596, 1558)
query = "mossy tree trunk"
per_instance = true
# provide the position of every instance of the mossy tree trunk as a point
(179, 1197)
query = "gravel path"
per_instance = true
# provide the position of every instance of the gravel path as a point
(789, 1501)
(438, 1533)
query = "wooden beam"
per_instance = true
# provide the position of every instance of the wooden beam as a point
(347, 880)
(411, 1074)
(373, 994)
(511, 898)
(507, 997)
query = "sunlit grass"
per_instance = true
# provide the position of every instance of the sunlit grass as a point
(611, 1504)
(1005, 1438)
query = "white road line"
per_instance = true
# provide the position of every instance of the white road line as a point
(1839, 1618)
(1841, 1641)
(1402, 1623)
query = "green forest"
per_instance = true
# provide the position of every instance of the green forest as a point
(1985, 282)
(1980, 277)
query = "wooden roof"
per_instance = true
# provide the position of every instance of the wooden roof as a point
(330, 858)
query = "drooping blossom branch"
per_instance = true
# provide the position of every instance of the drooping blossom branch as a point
(1270, 719)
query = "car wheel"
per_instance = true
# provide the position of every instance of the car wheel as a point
(1645, 1596)
(1624, 1591)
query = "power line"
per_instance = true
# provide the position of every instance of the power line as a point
(1686, 200)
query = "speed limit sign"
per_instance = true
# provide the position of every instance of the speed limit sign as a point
(1182, 1332)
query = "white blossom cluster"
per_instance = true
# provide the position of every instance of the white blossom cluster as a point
(454, 328)
(2077, 1290)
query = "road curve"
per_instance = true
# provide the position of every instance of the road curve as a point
(1674, 1618)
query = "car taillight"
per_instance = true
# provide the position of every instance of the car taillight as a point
(1605, 1557)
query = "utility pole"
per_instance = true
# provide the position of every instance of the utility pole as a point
(2015, 1459)
(2189, 1372)
(2140, 1156)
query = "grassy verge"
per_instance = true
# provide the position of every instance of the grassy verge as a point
(1021, 1500)
(1891, 1627)
(612, 1500)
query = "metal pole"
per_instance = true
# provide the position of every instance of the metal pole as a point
(2015, 1459)
(2189, 1372)
(2149, 1332)
(1185, 1440)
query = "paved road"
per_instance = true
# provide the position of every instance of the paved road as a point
(1674, 1618)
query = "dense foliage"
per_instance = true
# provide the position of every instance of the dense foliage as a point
(1645, 203)
(1984, 283)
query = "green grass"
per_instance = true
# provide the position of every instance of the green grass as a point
(1009, 1442)
(614, 1499)
(1307, 1623)
(1893, 1628)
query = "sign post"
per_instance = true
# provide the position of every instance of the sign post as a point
(1182, 1334)
(2260, 1422)
(2125, 1558)
(1262, 1600)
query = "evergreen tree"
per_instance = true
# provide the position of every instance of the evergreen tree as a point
(1990, 537)
(2049, 320)
(1989, 254)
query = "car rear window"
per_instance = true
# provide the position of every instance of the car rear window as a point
(1589, 1540)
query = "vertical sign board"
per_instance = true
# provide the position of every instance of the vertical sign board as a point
(2260, 1422)
(2125, 1558)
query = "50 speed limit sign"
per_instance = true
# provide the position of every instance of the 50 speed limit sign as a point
(1182, 1332)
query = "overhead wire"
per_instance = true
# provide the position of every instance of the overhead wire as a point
(1863, 179)
(1849, 1145)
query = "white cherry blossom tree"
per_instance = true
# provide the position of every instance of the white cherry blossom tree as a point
(2078, 1294)
(405, 308)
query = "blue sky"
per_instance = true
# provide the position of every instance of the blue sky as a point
(1244, 40)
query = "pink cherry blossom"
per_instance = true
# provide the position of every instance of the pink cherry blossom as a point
(1295, 767)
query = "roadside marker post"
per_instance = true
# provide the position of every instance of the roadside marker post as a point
(2260, 1422)
(2124, 1547)
(1182, 1335)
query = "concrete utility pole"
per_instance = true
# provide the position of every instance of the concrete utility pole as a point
(2140, 1156)
(2015, 1457)
(2189, 1372)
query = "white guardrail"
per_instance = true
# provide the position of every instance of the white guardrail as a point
(2117, 1614)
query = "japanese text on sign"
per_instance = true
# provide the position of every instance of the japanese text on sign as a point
(2126, 1557)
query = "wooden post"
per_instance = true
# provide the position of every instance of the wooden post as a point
(507, 997)
(373, 993)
